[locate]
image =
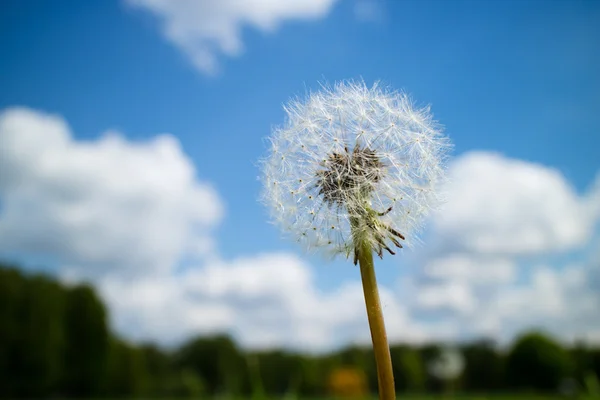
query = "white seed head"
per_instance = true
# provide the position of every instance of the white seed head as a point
(353, 164)
(448, 365)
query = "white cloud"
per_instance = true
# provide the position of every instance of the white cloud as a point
(107, 203)
(266, 300)
(126, 213)
(502, 206)
(561, 301)
(471, 269)
(204, 28)
(453, 296)
(503, 217)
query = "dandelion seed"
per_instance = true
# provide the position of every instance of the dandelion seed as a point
(368, 150)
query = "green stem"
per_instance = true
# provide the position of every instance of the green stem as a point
(378, 335)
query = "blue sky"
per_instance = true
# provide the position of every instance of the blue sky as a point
(518, 78)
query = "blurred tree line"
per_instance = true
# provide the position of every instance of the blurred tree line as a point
(55, 341)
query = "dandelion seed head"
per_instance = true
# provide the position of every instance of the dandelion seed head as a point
(351, 164)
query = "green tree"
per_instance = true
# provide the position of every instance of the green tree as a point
(87, 339)
(409, 370)
(595, 361)
(280, 372)
(537, 362)
(38, 363)
(483, 367)
(164, 379)
(217, 360)
(429, 353)
(184, 383)
(313, 379)
(127, 375)
(12, 285)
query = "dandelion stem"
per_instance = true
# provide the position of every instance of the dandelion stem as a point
(376, 323)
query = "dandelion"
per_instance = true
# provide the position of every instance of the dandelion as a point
(352, 171)
(447, 366)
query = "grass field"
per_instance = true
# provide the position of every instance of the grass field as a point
(456, 397)
(475, 397)
(467, 397)
(481, 397)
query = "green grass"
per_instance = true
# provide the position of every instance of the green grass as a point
(480, 397)
(453, 397)
(465, 397)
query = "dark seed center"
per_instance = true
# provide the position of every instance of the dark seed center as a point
(349, 176)
(347, 180)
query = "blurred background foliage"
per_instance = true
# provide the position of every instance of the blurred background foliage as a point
(55, 341)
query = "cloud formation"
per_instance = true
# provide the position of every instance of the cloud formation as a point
(126, 214)
(203, 29)
(104, 204)
(488, 266)
(502, 206)
(264, 300)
